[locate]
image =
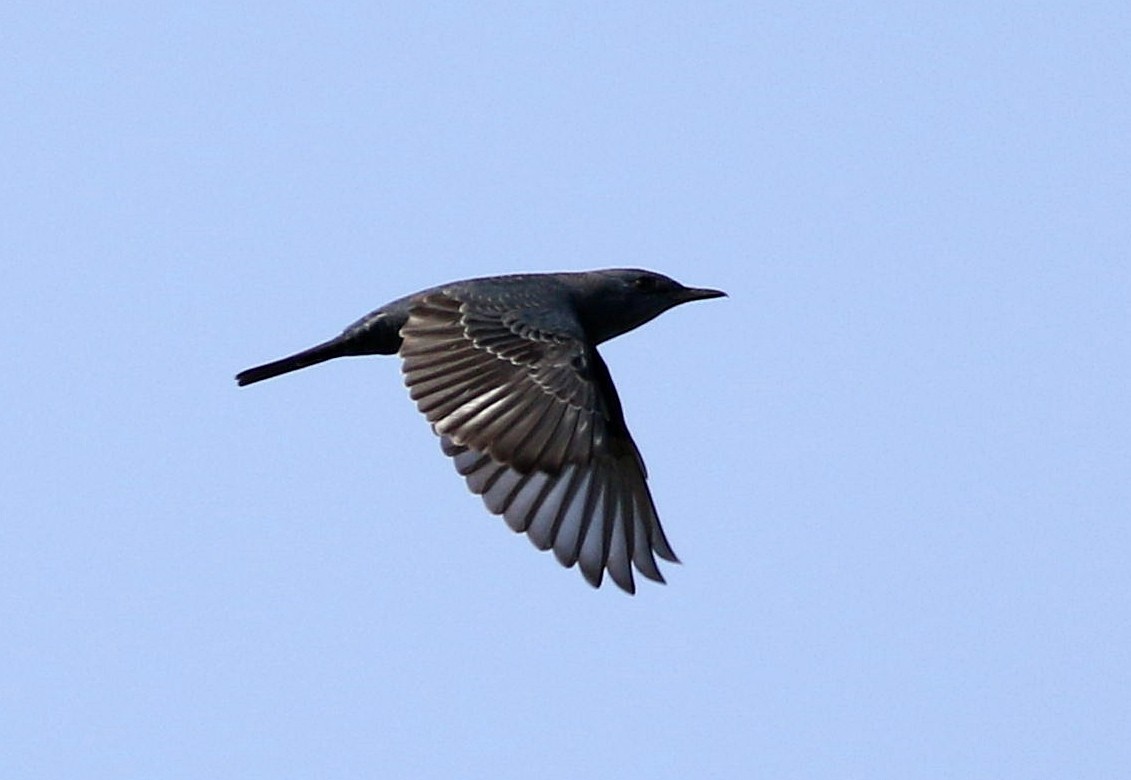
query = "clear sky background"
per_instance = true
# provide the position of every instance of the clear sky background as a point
(895, 461)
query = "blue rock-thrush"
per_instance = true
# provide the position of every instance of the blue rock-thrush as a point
(506, 370)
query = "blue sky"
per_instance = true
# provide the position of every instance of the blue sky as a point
(895, 461)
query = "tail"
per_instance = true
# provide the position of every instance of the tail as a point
(377, 333)
(336, 347)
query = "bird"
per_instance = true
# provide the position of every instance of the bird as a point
(506, 370)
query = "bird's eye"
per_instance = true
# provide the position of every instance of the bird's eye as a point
(645, 283)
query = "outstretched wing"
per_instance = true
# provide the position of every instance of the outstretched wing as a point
(532, 420)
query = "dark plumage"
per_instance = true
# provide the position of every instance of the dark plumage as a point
(507, 371)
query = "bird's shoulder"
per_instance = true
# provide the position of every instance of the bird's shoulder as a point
(519, 342)
(515, 381)
(533, 307)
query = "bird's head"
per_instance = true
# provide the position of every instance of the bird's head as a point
(615, 301)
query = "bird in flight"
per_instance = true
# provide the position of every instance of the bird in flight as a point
(507, 372)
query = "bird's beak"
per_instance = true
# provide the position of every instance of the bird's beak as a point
(700, 294)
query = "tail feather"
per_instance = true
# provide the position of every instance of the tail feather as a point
(336, 347)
